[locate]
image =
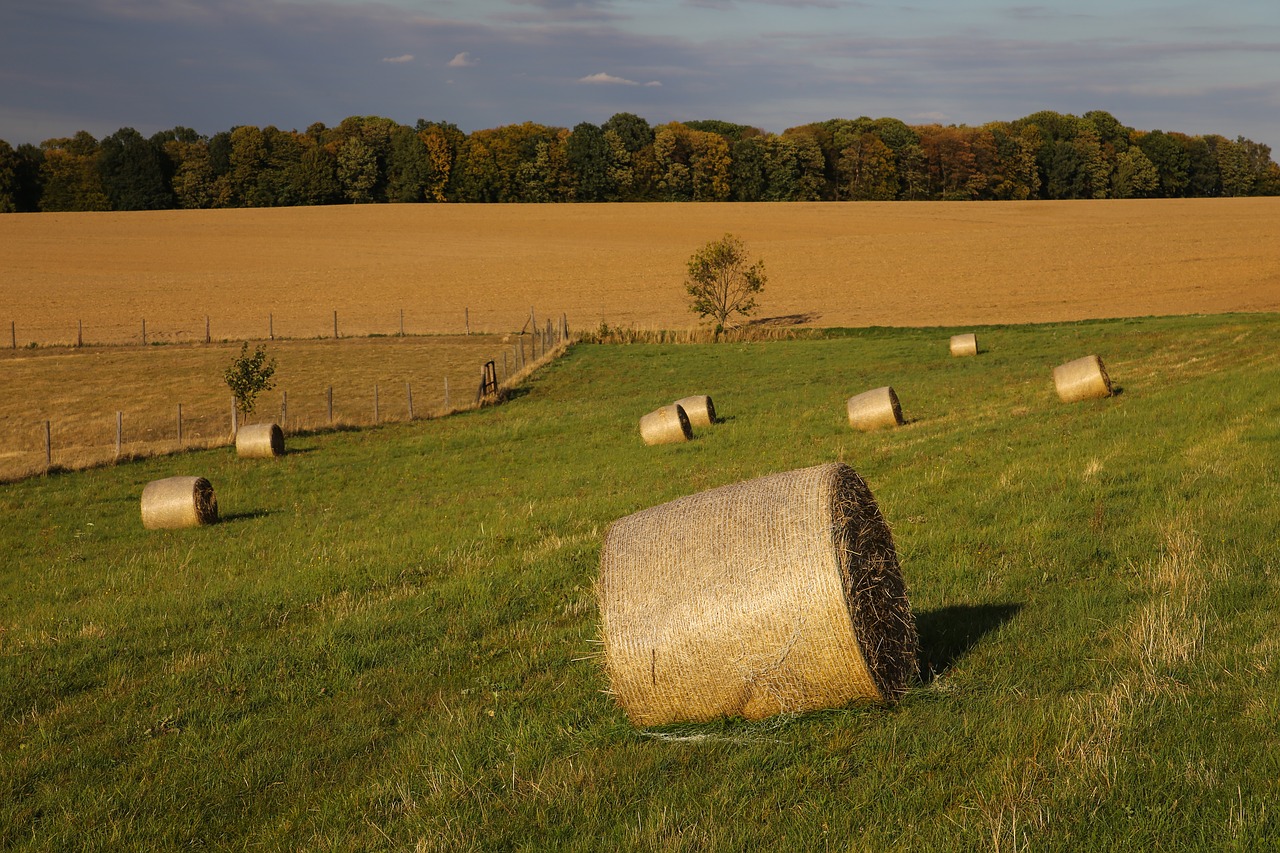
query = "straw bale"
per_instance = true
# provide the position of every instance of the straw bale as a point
(776, 595)
(1083, 379)
(667, 425)
(260, 441)
(699, 408)
(178, 502)
(964, 344)
(874, 409)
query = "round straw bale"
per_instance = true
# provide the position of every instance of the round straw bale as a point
(777, 595)
(964, 344)
(667, 425)
(1083, 379)
(874, 409)
(699, 408)
(259, 441)
(178, 502)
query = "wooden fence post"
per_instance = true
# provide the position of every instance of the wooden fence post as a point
(329, 398)
(284, 408)
(48, 448)
(402, 322)
(375, 404)
(446, 393)
(179, 425)
(207, 339)
(235, 419)
(144, 331)
(466, 319)
(408, 392)
(119, 432)
(335, 325)
(13, 333)
(79, 333)
(271, 326)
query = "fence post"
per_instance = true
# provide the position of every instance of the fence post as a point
(119, 432)
(284, 408)
(207, 339)
(408, 392)
(506, 371)
(329, 399)
(466, 319)
(79, 333)
(375, 404)
(271, 326)
(335, 325)
(235, 419)
(144, 331)
(402, 322)
(179, 425)
(48, 448)
(13, 333)
(446, 393)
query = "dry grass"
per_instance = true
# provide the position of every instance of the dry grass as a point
(80, 391)
(829, 264)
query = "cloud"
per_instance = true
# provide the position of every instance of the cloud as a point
(609, 80)
(462, 60)
(396, 60)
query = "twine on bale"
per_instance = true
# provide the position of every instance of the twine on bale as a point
(777, 595)
(667, 425)
(964, 344)
(259, 441)
(874, 409)
(699, 408)
(178, 502)
(1083, 379)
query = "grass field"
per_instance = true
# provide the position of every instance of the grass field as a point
(855, 264)
(389, 641)
(80, 391)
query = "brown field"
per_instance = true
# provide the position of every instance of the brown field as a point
(856, 264)
(79, 392)
(903, 264)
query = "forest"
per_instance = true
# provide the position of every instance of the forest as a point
(371, 159)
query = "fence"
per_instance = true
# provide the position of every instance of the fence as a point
(89, 437)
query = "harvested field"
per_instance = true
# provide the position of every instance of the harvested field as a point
(901, 264)
(80, 391)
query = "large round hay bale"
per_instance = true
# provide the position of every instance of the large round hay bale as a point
(699, 408)
(259, 441)
(776, 595)
(1083, 379)
(667, 425)
(964, 344)
(874, 409)
(178, 502)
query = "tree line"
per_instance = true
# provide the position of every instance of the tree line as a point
(367, 159)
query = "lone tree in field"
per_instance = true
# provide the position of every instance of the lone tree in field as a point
(250, 375)
(720, 282)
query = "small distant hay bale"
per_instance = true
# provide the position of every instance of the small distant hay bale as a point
(874, 409)
(178, 502)
(668, 425)
(964, 344)
(699, 408)
(777, 595)
(260, 441)
(1083, 379)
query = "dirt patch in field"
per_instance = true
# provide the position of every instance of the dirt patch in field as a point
(855, 264)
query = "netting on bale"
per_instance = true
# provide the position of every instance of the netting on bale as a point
(667, 425)
(177, 502)
(964, 344)
(777, 595)
(1083, 379)
(699, 408)
(259, 441)
(874, 409)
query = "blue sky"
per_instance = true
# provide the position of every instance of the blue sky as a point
(98, 65)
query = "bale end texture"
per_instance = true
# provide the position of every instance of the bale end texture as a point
(178, 502)
(874, 409)
(777, 595)
(962, 345)
(1083, 379)
(699, 408)
(259, 441)
(668, 425)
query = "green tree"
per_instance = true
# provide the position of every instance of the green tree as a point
(357, 170)
(720, 283)
(588, 156)
(133, 172)
(1134, 176)
(69, 174)
(249, 375)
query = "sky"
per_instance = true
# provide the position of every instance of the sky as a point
(99, 65)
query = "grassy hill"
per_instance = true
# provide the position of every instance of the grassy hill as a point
(389, 641)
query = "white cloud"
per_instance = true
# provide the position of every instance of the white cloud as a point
(396, 60)
(610, 80)
(462, 60)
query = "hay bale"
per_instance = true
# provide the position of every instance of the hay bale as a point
(776, 595)
(1083, 379)
(964, 344)
(178, 502)
(259, 441)
(667, 425)
(699, 408)
(874, 409)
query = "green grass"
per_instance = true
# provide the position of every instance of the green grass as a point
(389, 642)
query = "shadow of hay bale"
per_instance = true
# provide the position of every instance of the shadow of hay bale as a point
(949, 633)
